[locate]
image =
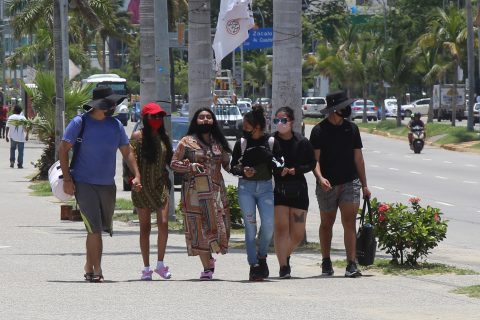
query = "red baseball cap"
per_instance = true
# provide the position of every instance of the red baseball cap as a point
(152, 108)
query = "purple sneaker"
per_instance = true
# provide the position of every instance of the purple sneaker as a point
(146, 275)
(206, 275)
(164, 272)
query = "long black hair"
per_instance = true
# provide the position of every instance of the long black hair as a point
(288, 111)
(256, 117)
(148, 144)
(216, 132)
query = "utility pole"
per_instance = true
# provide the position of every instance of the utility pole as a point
(65, 52)
(471, 64)
(162, 76)
(59, 73)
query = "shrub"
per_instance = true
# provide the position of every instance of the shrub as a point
(235, 211)
(408, 232)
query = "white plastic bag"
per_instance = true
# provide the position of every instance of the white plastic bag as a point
(55, 177)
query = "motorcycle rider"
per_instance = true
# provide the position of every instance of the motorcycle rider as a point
(415, 121)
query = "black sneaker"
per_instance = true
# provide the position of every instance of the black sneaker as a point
(255, 273)
(11, 164)
(285, 272)
(351, 271)
(20, 166)
(327, 269)
(263, 267)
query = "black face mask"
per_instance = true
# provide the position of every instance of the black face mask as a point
(345, 112)
(247, 134)
(109, 113)
(205, 128)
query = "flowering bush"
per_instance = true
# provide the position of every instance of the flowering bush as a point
(407, 232)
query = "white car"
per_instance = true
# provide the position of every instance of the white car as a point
(476, 113)
(420, 105)
(312, 106)
(390, 107)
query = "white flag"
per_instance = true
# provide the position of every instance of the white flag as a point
(234, 21)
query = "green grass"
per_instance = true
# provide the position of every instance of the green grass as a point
(476, 146)
(123, 204)
(40, 189)
(471, 291)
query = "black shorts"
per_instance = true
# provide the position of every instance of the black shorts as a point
(300, 202)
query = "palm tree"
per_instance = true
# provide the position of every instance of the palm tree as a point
(200, 55)
(43, 103)
(257, 71)
(287, 57)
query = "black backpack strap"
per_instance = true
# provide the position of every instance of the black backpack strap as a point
(78, 141)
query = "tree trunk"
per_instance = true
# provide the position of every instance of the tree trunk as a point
(147, 53)
(287, 58)
(398, 94)
(59, 73)
(365, 106)
(430, 106)
(200, 57)
(454, 95)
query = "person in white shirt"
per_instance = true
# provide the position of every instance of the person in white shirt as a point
(17, 135)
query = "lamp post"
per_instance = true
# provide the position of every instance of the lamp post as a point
(471, 64)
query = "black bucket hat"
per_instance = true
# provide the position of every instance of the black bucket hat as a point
(336, 101)
(104, 98)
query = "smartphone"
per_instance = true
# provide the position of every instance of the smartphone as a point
(200, 169)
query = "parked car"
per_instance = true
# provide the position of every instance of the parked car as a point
(122, 113)
(244, 107)
(358, 106)
(229, 119)
(312, 106)
(179, 130)
(391, 109)
(476, 113)
(184, 110)
(135, 112)
(263, 101)
(420, 105)
(245, 99)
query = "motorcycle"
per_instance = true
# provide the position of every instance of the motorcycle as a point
(418, 142)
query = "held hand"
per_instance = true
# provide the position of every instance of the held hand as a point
(136, 185)
(366, 192)
(284, 172)
(68, 187)
(26, 138)
(325, 184)
(198, 168)
(249, 172)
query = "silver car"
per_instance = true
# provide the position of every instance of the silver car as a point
(476, 113)
(312, 106)
(357, 110)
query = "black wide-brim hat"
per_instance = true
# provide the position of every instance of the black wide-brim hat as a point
(104, 98)
(337, 101)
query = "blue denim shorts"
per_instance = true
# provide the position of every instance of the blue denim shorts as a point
(348, 192)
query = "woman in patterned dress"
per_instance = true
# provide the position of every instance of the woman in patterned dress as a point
(200, 155)
(153, 151)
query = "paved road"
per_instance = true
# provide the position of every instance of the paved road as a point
(41, 262)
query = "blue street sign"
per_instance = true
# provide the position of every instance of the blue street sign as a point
(258, 39)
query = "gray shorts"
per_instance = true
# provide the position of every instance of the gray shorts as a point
(329, 201)
(97, 204)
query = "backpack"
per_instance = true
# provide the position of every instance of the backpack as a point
(243, 145)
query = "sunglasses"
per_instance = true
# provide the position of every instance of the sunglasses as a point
(282, 120)
(155, 116)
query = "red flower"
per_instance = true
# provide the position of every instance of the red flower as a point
(437, 217)
(381, 218)
(414, 200)
(383, 208)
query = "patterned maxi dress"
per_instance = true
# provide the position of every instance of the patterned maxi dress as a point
(155, 182)
(206, 221)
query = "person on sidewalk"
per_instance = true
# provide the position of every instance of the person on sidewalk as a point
(17, 134)
(91, 178)
(340, 173)
(255, 158)
(291, 190)
(153, 152)
(200, 156)
(3, 120)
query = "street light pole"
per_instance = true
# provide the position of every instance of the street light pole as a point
(471, 64)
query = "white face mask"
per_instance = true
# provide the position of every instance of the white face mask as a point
(284, 128)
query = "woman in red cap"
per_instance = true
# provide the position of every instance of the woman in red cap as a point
(153, 151)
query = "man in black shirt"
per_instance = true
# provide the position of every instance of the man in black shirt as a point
(340, 173)
(415, 122)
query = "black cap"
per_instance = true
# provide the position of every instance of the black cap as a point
(104, 98)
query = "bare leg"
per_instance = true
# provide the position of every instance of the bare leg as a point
(144, 216)
(349, 214)
(281, 234)
(327, 219)
(297, 220)
(94, 253)
(162, 223)
(205, 259)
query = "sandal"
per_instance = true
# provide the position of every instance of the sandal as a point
(97, 278)
(88, 276)
(206, 275)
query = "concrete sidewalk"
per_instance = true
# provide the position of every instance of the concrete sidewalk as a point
(41, 261)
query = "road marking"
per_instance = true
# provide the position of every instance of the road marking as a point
(407, 156)
(374, 166)
(408, 195)
(471, 182)
(445, 204)
(427, 159)
(440, 177)
(377, 187)
(3, 247)
(449, 162)
(376, 151)
(415, 172)
(393, 169)
(470, 165)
